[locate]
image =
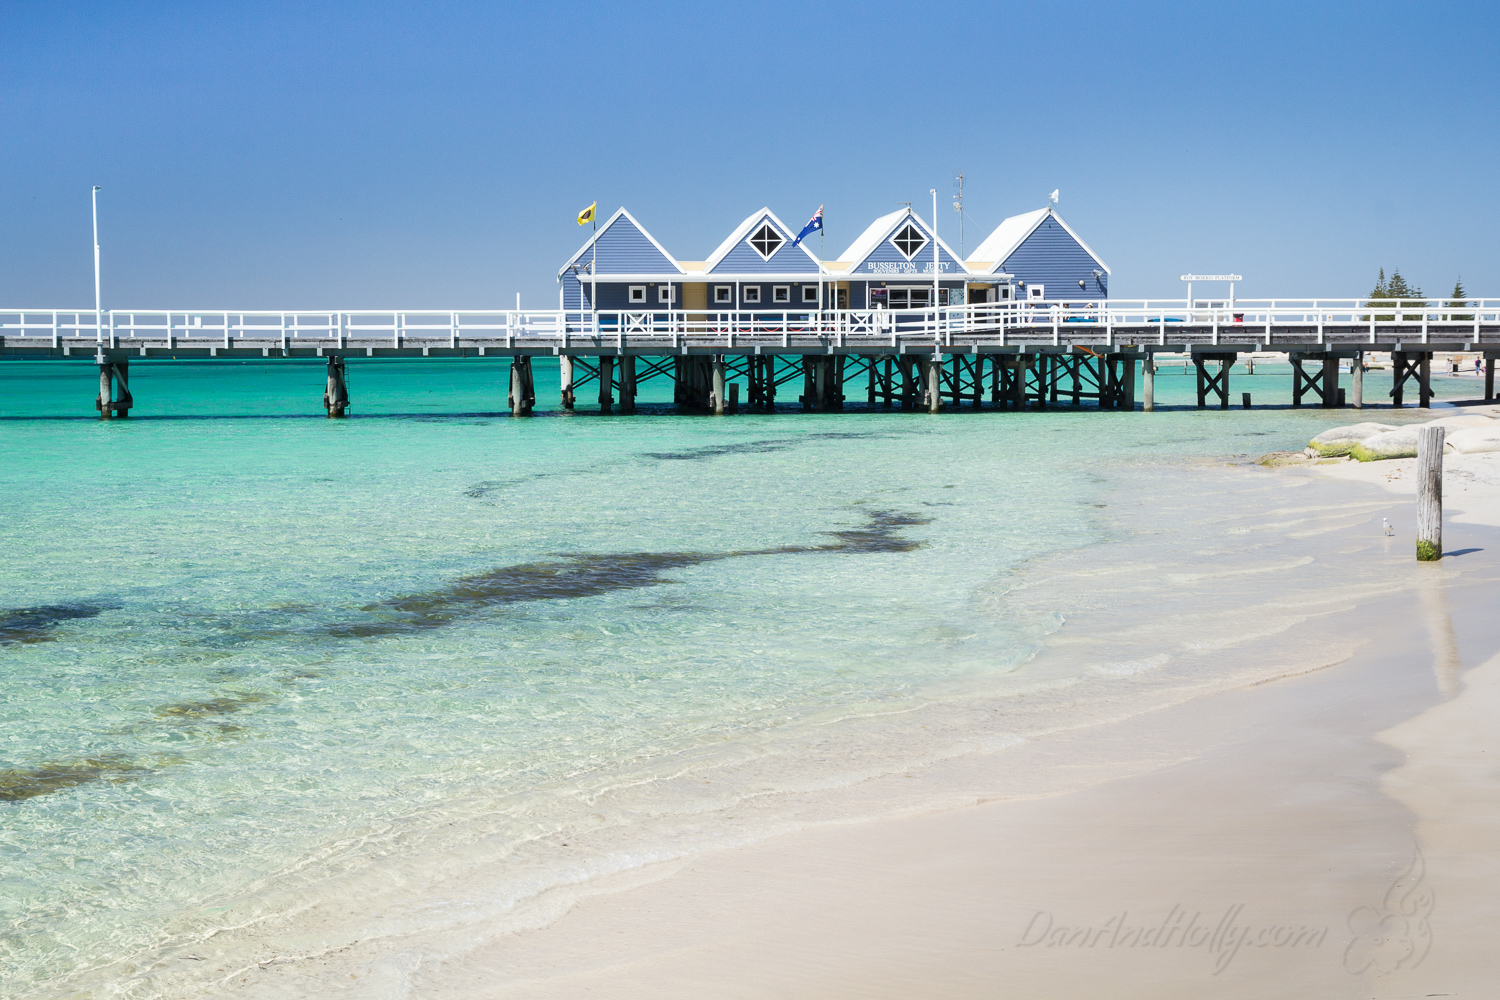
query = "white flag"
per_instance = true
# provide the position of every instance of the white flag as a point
(1054, 196)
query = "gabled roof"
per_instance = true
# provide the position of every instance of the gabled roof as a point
(1011, 233)
(605, 228)
(742, 231)
(878, 231)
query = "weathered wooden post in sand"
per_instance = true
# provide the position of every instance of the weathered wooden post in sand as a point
(1430, 494)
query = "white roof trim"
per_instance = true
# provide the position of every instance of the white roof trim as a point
(742, 231)
(726, 278)
(1012, 232)
(881, 229)
(604, 229)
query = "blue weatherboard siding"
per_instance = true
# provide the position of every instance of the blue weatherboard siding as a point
(624, 249)
(572, 296)
(886, 260)
(617, 296)
(1050, 257)
(742, 258)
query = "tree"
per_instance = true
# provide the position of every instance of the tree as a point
(1459, 300)
(1402, 295)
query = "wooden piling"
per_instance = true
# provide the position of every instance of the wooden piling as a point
(1148, 377)
(933, 382)
(105, 404)
(1129, 382)
(1489, 380)
(627, 384)
(522, 392)
(1424, 381)
(336, 391)
(1430, 442)
(718, 399)
(1019, 386)
(606, 384)
(1330, 381)
(1357, 380)
(565, 380)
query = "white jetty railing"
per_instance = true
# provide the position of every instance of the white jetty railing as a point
(1144, 322)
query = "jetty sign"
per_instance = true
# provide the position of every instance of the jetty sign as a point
(1211, 277)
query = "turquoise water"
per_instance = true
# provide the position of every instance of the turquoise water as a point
(255, 666)
(292, 388)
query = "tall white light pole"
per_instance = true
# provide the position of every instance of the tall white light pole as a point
(936, 266)
(98, 300)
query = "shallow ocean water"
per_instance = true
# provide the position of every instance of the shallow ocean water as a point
(267, 678)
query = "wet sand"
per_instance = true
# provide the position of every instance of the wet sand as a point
(1322, 835)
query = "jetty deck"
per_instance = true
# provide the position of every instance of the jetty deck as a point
(1008, 354)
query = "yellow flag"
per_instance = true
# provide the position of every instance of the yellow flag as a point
(587, 215)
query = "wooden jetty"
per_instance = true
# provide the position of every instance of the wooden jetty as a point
(1007, 355)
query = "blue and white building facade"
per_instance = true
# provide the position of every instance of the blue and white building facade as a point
(897, 263)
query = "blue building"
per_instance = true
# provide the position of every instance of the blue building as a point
(898, 262)
(1046, 259)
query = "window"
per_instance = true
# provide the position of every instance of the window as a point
(910, 298)
(809, 293)
(751, 293)
(664, 293)
(723, 294)
(637, 293)
(781, 293)
(909, 241)
(1036, 291)
(766, 240)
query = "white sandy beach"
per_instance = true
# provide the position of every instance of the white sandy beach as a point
(1323, 835)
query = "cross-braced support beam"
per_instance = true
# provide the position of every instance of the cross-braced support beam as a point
(1213, 382)
(1409, 364)
(1322, 382)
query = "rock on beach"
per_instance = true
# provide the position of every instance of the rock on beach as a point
(1339, 440)
(1482, 433)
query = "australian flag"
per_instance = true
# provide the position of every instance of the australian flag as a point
(813, 225)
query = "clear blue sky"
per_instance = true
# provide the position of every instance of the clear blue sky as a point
(265, 155)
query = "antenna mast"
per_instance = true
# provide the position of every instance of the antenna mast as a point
(958, 206)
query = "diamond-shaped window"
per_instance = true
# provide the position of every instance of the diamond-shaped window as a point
(909, 241)
(766, 240)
